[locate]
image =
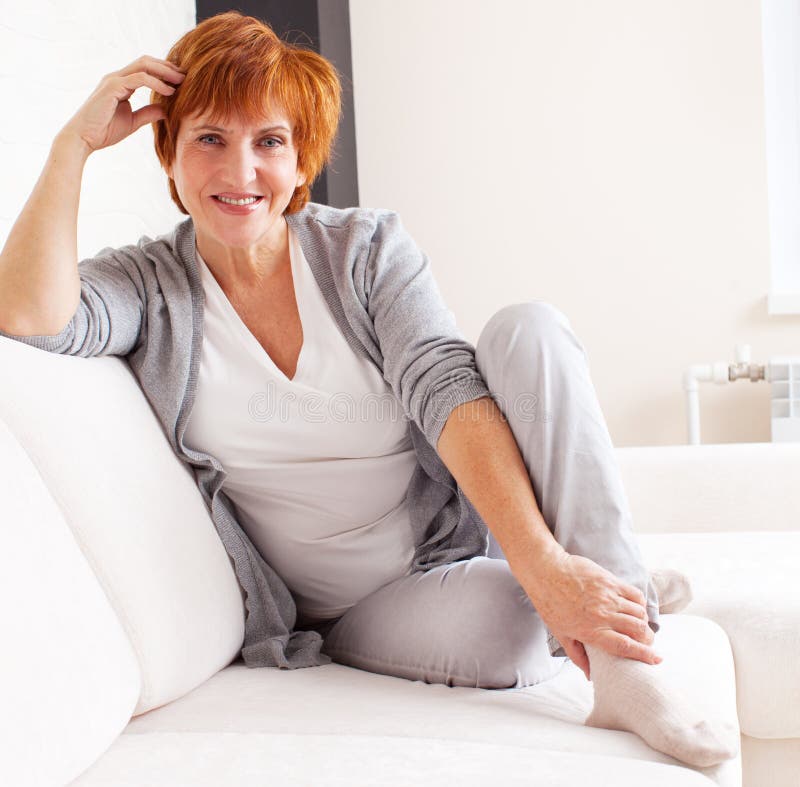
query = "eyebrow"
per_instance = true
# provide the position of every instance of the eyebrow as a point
(225, 131)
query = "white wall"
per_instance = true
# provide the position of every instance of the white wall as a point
(607, 157)
(52, 56)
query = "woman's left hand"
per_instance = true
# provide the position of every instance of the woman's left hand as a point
(582, 602)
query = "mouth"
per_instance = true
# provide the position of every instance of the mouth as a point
(240, 200)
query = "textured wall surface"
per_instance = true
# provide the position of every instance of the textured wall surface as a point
(52, 56)
(606, 157)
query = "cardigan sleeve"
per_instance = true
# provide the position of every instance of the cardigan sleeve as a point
(426, 360)
(110, 313)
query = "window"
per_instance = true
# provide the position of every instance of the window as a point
(781, 56)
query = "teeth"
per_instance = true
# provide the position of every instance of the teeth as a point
(247, 201)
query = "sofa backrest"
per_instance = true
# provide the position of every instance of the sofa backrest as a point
(712, 488)
(133, 509)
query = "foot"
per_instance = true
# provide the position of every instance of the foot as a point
(673, 588)
(633, 696)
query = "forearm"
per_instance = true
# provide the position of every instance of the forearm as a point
(479, 449)
(39, 281)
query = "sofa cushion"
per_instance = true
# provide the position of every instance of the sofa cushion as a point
(69, 679)
(747, 583)
(133, 508)
(241, 721)
(298, 760)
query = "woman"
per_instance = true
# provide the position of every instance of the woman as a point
(369, 533)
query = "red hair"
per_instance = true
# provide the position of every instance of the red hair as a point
(236, 67)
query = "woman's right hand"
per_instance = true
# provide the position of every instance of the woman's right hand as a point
(107, 117)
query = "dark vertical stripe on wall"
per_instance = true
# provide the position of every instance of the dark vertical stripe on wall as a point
(324, 26)
(334, 32)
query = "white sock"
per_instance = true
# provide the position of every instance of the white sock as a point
(673, 588)
(633, 696)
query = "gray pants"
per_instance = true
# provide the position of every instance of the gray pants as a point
(470, 623)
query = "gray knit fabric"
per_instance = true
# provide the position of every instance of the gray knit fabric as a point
(145, 302)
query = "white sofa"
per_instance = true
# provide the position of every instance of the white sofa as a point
(122, 623)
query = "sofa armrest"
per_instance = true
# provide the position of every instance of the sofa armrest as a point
(69, 679)
(712, 488)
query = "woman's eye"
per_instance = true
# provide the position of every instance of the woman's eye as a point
(269, 142)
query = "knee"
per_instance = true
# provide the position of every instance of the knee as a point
(539, 316)
(539, 321)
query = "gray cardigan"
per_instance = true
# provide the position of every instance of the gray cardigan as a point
(145, 302)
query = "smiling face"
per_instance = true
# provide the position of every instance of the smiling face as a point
(230, 161)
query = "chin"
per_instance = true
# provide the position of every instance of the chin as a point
(243, 236)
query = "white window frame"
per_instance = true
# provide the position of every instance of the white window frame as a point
(780, 32)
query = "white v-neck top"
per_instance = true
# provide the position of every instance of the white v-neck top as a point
(317, 466)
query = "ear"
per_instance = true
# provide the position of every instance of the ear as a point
(301, 179)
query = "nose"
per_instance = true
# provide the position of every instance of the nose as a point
(239, 166)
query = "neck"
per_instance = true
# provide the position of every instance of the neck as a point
(248, 267)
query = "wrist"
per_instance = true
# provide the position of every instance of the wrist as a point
(534, 569)
(68, 142)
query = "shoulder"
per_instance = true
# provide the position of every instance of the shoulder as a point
(170, 247)
(161, 248)
(153, 263)
(351, 225)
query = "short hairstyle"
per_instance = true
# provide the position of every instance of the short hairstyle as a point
(237, 67)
